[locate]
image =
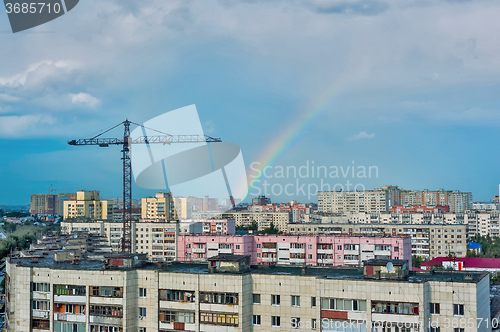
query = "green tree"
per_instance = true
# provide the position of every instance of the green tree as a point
(416, 261)
(271, 229)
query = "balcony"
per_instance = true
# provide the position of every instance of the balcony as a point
(325, 261)
(106, 320)
(76, 299)
(173, 326)
(198, 250)
(67, 317)
(41, 314)
(225, 251)
(325, 251)
(268, 259)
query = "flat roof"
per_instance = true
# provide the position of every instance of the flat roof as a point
(344, 273)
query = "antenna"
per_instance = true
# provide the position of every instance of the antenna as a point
(390, 267)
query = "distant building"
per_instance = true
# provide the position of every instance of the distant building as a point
(159, 207)
(88, 205)
(43, 205)
(419, 209)
(261, 200)
(317, 250)
(155, 238)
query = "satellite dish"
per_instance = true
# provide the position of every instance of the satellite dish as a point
(390, 267)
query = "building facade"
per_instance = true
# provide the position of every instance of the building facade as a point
(314, 250)
(427, 240)
(47, 296)
(157, 239)
(88, 205)
(159, 207)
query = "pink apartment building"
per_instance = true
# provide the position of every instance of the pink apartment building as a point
(316, 250)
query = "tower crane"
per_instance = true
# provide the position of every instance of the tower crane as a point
(125, 142)
(52, 189)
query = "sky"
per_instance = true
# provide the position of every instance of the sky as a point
(408, 89)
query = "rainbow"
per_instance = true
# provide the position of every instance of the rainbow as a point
(293, 132)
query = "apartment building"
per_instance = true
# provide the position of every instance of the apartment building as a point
(49, 205)
(88, 205)
(263, 219)
(380, 200)
(184, 207)
(123, 293)
(43, 205)
(368, 201)
(159, 207)
(157, 239)
(314, 250)
(427, 240)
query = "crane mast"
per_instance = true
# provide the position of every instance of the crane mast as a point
(126, 241)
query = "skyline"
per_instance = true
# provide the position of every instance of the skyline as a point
(409, 88)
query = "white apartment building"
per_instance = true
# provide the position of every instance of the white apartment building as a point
(123, 294)
(369, 201)
(157, 239)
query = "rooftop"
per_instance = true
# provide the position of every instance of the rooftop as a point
(321, 272)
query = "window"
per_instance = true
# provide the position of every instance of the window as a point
(110, 311)
(237, 247)
(40, 287)
(295, 322)
(177, 316)
(343, 304)
(256, 320)
(458, 329)
(69, 290)
(458, 309)
(313, 324)
(309, 246)
(41, 305)
(313, 302)
(142, 312)
(256, 298)
(258, 254)
(176, 295)
(219, 318)
(41, 324)
(219, 298)
(295, 300)
(142, 329)
(275, 300)
(142, 292)
(399, 308)
(258, 245)
(339, 247)
(434, 308)
(434, 329)
(350, 247)
(275, 321)
(309, 256)
(106, 291)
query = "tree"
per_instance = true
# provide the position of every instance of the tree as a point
(271, 229)
(416, 261)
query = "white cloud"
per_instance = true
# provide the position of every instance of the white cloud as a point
(38, 73)
(8, 98)
(25, 125)
(84, 99)
(361, 135)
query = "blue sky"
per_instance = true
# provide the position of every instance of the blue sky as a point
(416, 88)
